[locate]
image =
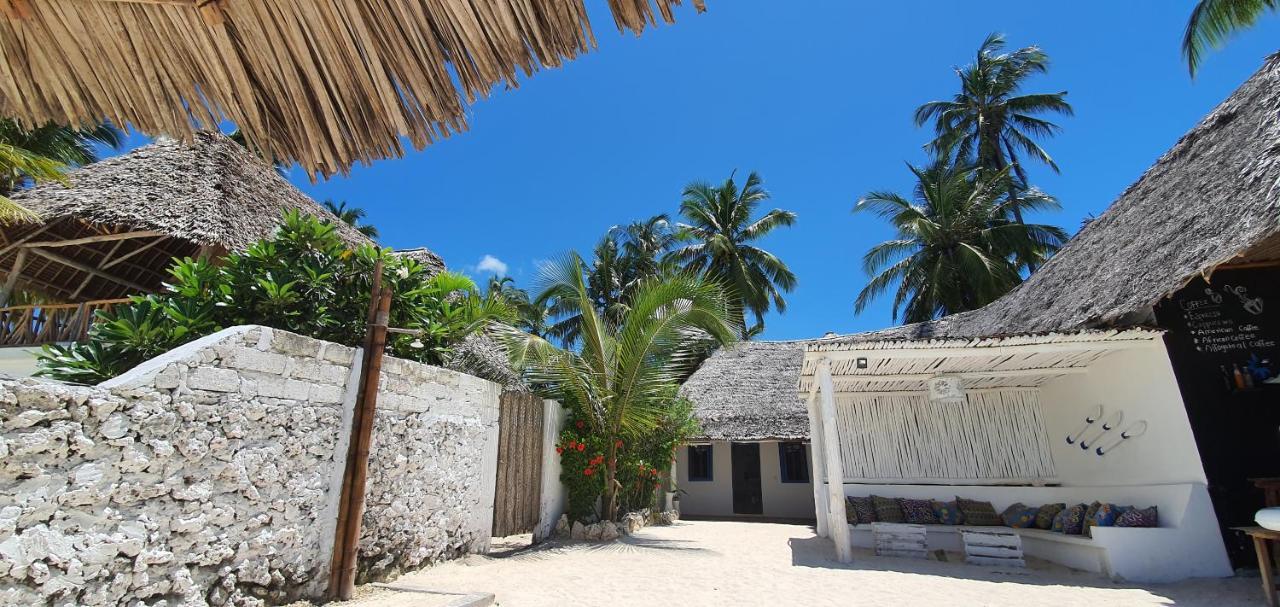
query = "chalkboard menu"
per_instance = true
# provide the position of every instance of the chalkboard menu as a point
(1230, 326)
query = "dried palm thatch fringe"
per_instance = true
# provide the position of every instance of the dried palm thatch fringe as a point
(325, 83)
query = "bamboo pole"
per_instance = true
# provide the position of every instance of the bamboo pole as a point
(360, 469)
(337, 562)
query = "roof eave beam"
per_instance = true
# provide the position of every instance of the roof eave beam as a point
(991, 351)
(90, 269)
(1050, 372)
(71, 242)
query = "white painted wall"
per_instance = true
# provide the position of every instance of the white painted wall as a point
(1141, 383)
(554, 495)
(18, 362)
(715, 497)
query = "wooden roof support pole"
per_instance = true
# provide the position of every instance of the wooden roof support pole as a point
(12, 280)
(837, 526)
(94, 239)
(83, 267)
(108, 265)
(346, 544)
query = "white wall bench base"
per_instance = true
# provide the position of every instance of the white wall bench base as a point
(1187, 544)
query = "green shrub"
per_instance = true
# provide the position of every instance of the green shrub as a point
(304, 280)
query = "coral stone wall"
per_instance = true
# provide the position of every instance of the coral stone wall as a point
(210, 475)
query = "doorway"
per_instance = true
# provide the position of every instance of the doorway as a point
(747, 495)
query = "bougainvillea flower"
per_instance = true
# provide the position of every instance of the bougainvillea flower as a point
(581, 447)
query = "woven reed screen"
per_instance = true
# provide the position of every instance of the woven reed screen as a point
(995, 436)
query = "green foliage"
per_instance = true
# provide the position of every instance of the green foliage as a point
(352, 216)
(643, 465)
(620, 381)
(1212, 22)
(304, 280)
(956, 245)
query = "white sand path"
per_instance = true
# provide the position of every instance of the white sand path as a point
(728, 563)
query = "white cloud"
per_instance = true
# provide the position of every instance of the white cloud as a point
(492, 264)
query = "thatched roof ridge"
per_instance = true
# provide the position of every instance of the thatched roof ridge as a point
(748, 392)
(322, 82)
(211, 191)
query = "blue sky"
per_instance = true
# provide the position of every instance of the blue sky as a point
(817, 96)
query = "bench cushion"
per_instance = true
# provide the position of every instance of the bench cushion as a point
(1044, 518)
(887, 510)
(978, 513)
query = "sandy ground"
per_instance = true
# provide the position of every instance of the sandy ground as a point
(724, 563)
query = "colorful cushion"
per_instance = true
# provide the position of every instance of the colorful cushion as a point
(864, 509)
(918, 512)
(1088, 514)
(947, 513)
(850, 515)
(1059, 521)
(1048, 512)
(1104, 516)
(1019, 516)
(978, 514)
(887, 510)
(1139, 517)
(1073, 519)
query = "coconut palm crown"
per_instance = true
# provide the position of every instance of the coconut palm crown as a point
(721, 229)
(955, 245)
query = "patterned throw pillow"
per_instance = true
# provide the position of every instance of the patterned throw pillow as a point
(1073, 519)
(865, 510)
(1139, 517)
(850, 515)
(978, 514)
(1048, 512)
(1019, 516)
(918, 512)
(887, 510)
(1104, 516)
(947, 513)
(1059, 522)
(1088, 514)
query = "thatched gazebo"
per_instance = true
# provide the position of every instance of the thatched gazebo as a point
(324, 83)
(114, 229)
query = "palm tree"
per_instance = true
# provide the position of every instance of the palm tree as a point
(1212, 22)
(532, 316)
(955, 243)
(645, 245)
(721, 230)
(44, 154)
(621, 379)
(990, 121)
(352, 216)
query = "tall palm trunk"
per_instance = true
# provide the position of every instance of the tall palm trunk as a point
(611, 482)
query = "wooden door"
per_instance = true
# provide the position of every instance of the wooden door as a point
(519, 492)
(747, 494)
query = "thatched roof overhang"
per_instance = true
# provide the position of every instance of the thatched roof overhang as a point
(114, 228)
(325, 83)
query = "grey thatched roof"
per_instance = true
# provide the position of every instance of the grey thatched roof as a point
(425, 257)
(748, 392)
(211, 191)
(1210, 200)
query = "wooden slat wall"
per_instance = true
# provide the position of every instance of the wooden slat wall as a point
(519, 491)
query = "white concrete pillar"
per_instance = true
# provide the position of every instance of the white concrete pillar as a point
(837, 526)
(817, 472)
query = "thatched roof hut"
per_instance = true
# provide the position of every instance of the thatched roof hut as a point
(114, 228)
(322, 82)
(1210, 202)
(748, 392)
